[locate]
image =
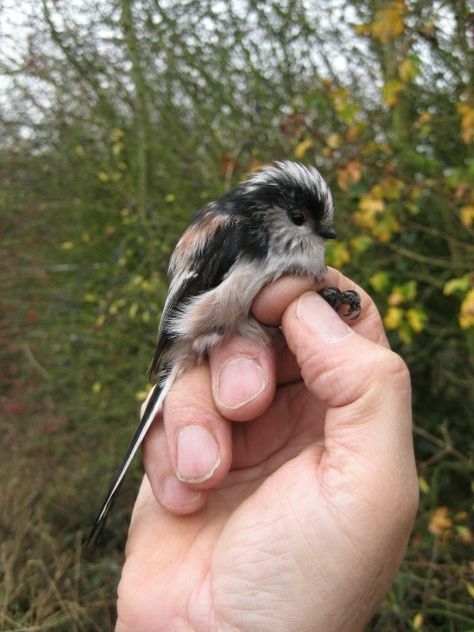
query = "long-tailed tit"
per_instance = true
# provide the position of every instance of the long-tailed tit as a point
(273, 224)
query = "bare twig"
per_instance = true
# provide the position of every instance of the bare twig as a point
(447, 449)
(34, 362)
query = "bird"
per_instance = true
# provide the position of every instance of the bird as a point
(275, 222)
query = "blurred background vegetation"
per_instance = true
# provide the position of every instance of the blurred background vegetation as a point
(118, 119)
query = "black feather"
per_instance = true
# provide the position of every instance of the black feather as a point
(116, 483)
(210, 268)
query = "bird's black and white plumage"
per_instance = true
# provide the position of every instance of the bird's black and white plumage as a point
(274, 223)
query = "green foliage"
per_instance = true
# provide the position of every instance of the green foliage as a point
(122, 119)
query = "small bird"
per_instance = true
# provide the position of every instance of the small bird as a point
(272, 224)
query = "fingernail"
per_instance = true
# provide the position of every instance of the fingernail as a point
(240, 381)
(320, 318)
(198, 454)
(175, 494)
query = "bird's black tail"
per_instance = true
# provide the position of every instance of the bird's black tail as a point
(152, 408)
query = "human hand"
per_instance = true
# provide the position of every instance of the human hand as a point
(300, 500)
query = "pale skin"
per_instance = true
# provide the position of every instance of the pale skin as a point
(307, 487)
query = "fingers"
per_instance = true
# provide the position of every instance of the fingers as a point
(169, 491)
(198, 437)
(366, 388)
(191, 450)
(365, 385)
(319, 338)
(270, 304)
(243, 378)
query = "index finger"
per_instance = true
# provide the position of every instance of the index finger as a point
(270, 304)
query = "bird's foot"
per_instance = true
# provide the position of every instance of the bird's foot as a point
(339, 298)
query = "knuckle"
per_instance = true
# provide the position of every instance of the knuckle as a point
(393, 368)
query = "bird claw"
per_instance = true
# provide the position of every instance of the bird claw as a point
(338, 298)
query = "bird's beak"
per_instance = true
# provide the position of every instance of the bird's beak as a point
(328, 233)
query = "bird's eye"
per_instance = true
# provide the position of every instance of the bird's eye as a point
(297, 217)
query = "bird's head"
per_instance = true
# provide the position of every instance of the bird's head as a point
(294, 203)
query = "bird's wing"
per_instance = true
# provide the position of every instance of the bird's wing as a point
(203, 256)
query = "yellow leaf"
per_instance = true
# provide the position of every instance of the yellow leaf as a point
(117, 148)
(103, 177)
(412, 208)
(388, 22)
(466, 316)
(302, 147)
(67, 245)
(407, 69)
(136, 280)
(100, 321)
(337, 254)
(440, 523)
(349, 174)
(116, 134)
(362, 29)
(467, 216)
(385, 227)
(333, 141)
(371, 205)
(423, 485)
(425, 117)
(418, 621)
(390, 188)
(466, 112)
(393, 318)
(90, 298)
(464, 534)
(416, 318)
(371, 214)
(470, 589)
(380, 281)
(116, 306)
(402, 293)
(396, 297)
(353, 132)
(171, 197)
(360, 243)
(96, 387)
(404, 333)
(133, 309)
(460, 284)
(141, 395)
(391, 92)
(410, 289)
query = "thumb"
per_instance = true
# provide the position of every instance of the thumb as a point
(365, 386)
(339, 366)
